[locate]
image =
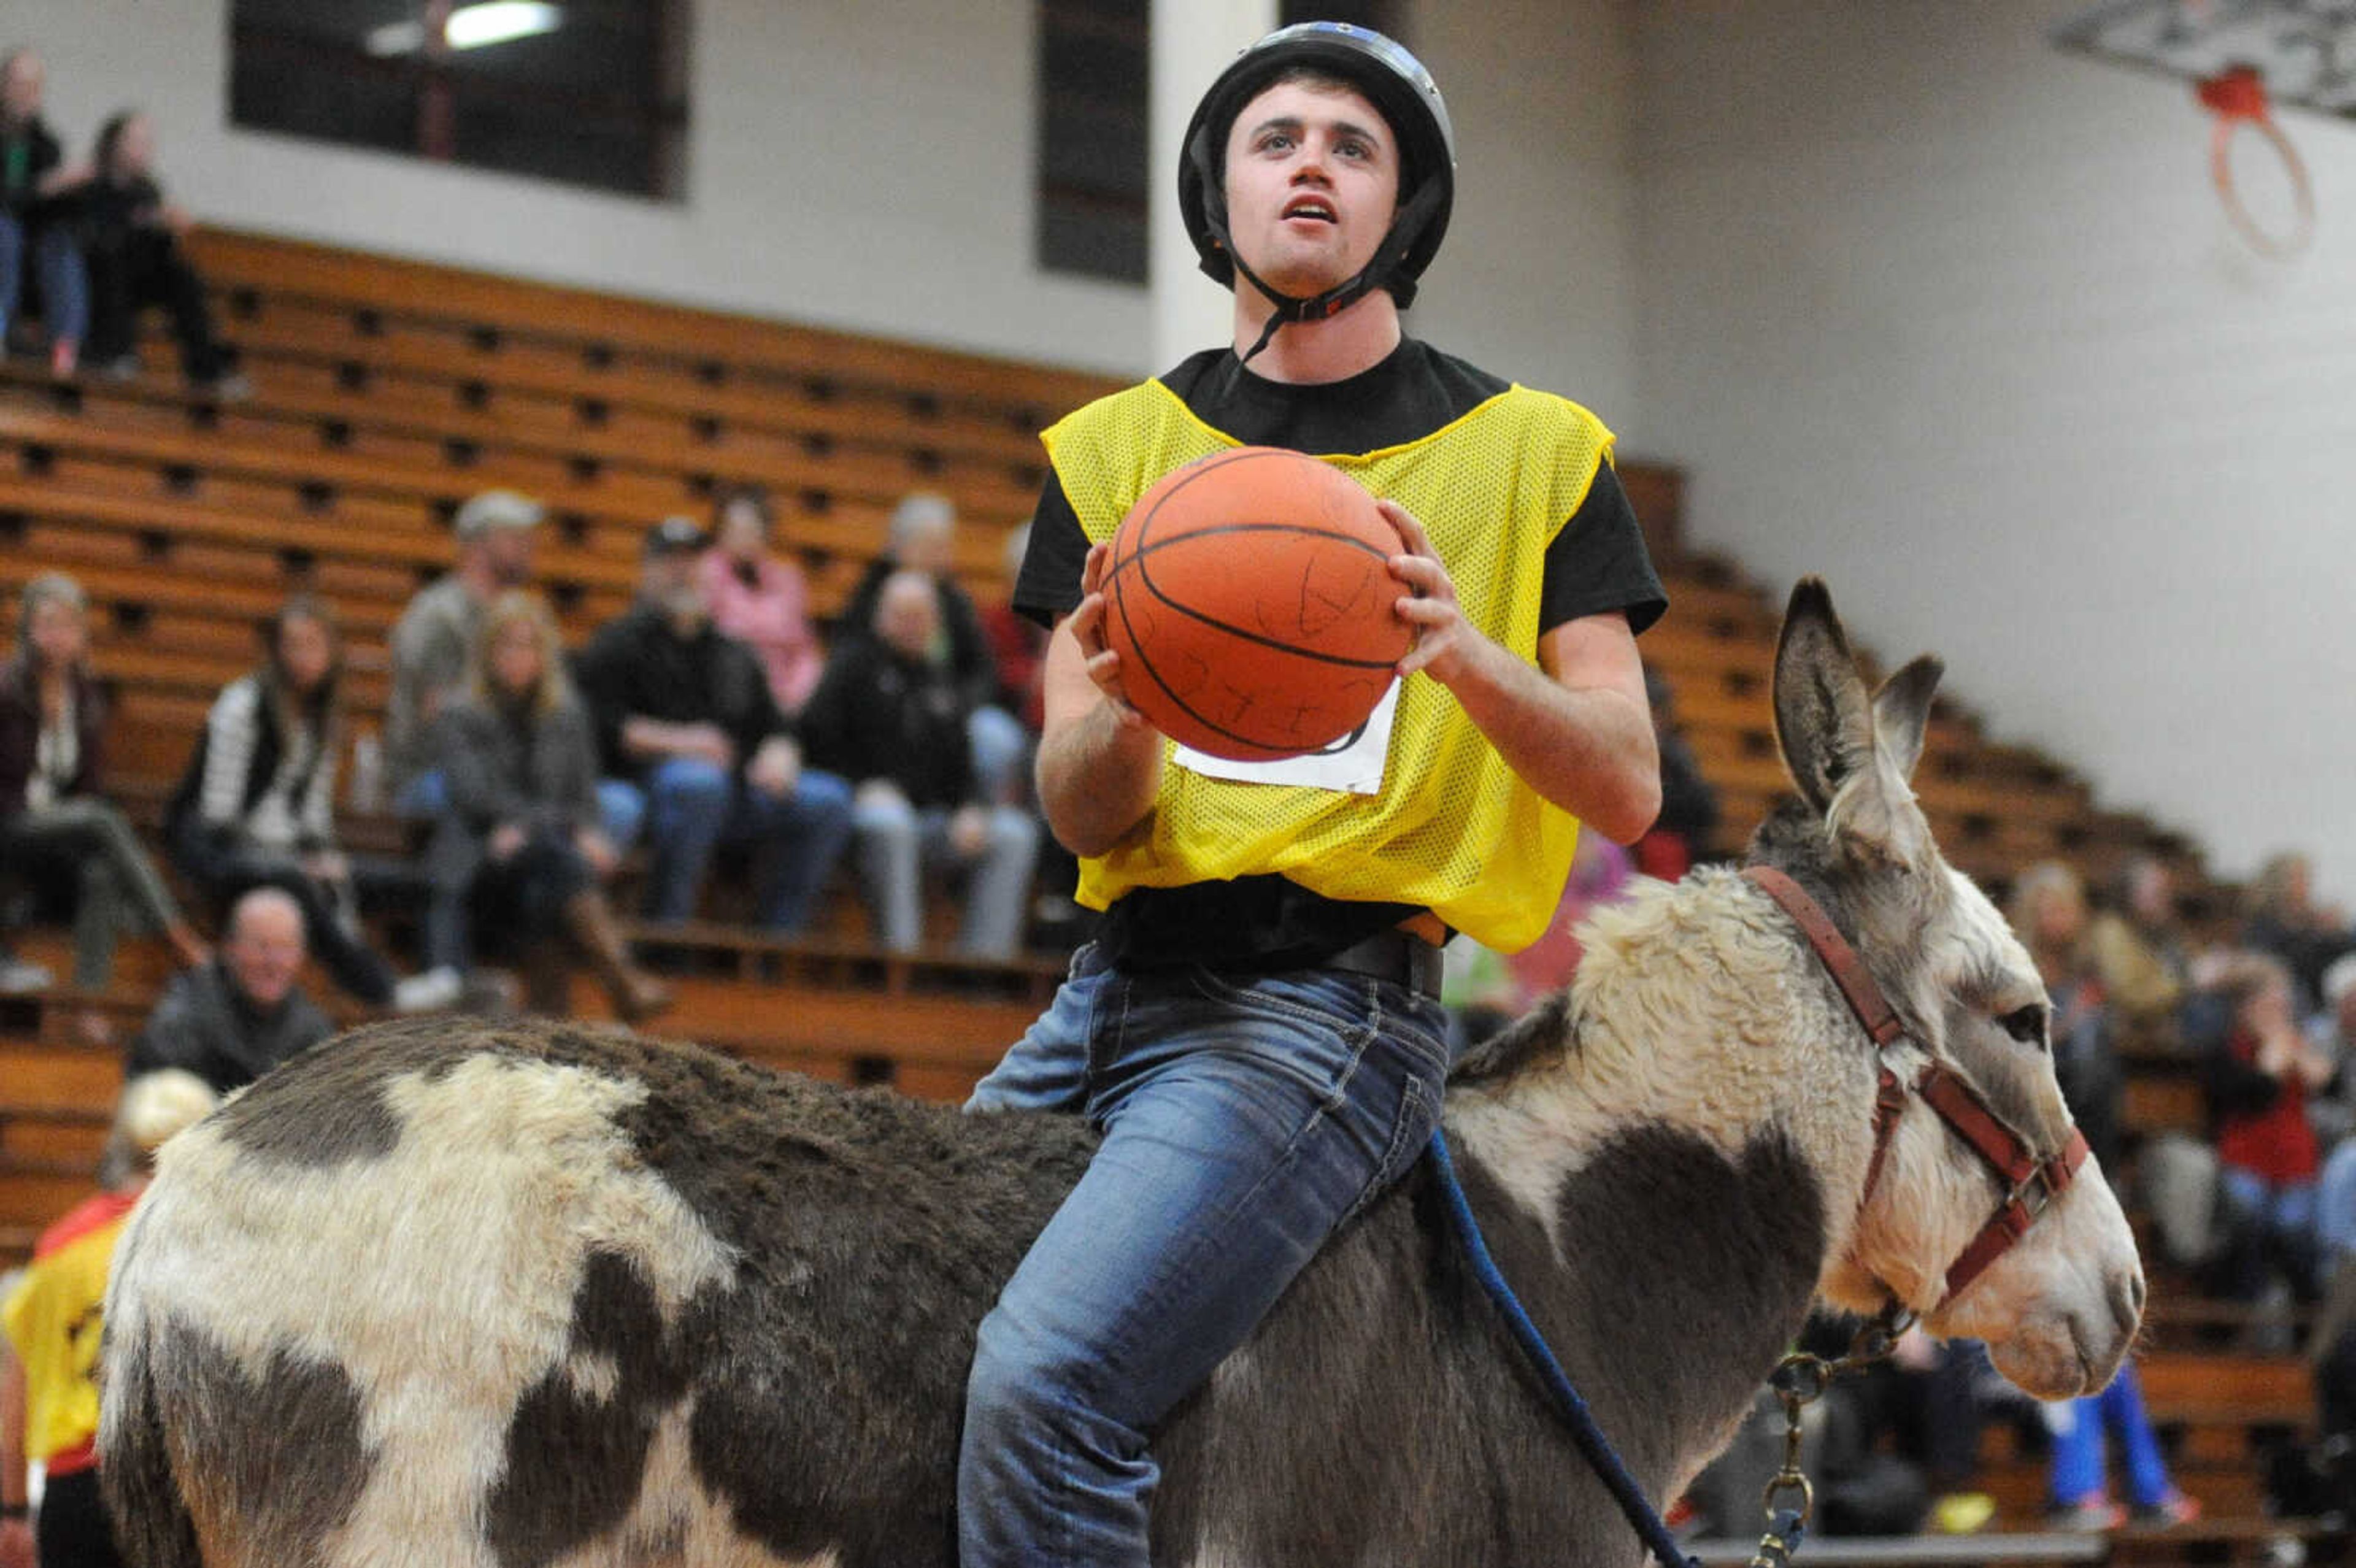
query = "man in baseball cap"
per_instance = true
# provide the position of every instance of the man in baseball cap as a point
(695, 750)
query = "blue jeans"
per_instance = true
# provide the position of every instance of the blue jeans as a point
(898, 841)
(2078, 1425)
(1000, 746)
(1244, 1121)
(65, 286)
(2272, 1228)
(691, 809)
(2335, 1207)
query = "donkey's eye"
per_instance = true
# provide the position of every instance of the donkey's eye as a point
(2026, 1025)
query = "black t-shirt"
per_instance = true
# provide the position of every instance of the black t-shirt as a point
(27, 153)
(1596, 564)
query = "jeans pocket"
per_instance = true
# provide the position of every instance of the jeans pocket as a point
(1410, 1130)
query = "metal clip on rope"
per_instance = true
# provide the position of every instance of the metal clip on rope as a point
(1799, 1380)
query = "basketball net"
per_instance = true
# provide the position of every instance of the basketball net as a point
(2237, 97)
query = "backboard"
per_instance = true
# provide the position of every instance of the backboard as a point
(2305, 50)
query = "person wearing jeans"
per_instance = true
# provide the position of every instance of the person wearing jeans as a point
(890, 715)
(34, 181)
(1255, 1032)
(1243, 1122)
(690, 807)
(2081, 1498)
(2260, 1079)
(697, 754)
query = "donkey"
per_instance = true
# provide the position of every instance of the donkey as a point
(456, 1294)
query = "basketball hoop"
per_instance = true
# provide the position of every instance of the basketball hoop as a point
(2237, 96)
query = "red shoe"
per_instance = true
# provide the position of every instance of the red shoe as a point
(65, 358)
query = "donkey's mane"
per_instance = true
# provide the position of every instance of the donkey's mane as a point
(1792, 839)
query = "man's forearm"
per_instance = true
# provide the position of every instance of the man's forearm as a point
(657, 738)
(1097, 778)
(1589, 751)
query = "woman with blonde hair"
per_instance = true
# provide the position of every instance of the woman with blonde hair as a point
(520, 848)
(55, 829)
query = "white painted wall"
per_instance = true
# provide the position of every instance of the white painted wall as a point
(1537, 281)
(1955, 320)
(867, 164)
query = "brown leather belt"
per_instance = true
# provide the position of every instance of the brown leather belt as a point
(1395, 956)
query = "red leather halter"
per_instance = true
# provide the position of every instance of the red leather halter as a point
(2031, 1184)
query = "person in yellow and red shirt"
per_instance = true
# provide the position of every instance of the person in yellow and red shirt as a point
(48, 1363)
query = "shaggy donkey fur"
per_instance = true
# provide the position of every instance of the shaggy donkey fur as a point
(445, 1295)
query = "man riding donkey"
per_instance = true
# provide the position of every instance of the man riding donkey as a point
(1256, 1033)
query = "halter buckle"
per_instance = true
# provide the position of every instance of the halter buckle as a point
(2034, 1195)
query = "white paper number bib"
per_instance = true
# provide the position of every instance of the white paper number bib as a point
(1352, 765)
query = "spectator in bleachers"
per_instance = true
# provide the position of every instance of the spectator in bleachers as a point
(759, 597)
(36, 190)
(521, 849)
(2334, 1032)
(922, 538)
(1688, 801)
(257, 805)
(57, 830)
(50, 1334)
(1017, 645)
(130, 243)
(2259, 1082)
(2286, 921)
(696, 750)
(431, 643)
(2048, 913)
(892, 718)
(2333, 1349)
(2138, 952)
(238, 1016)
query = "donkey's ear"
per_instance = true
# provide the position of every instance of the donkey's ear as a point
(1824, 724)
(1901, 711)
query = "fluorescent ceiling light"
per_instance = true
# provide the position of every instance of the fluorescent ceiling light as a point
(472, 26)
(501, 21)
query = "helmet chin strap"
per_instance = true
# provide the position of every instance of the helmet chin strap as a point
(1289, 307)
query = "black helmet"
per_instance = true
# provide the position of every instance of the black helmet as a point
(1397, 84)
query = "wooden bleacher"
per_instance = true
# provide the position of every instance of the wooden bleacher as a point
(387, 392)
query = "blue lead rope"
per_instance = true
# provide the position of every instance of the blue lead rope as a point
(1649, 1525)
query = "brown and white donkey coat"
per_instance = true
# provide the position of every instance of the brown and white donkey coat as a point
(452, 1294)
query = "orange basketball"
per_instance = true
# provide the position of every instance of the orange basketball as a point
(1251, 602)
